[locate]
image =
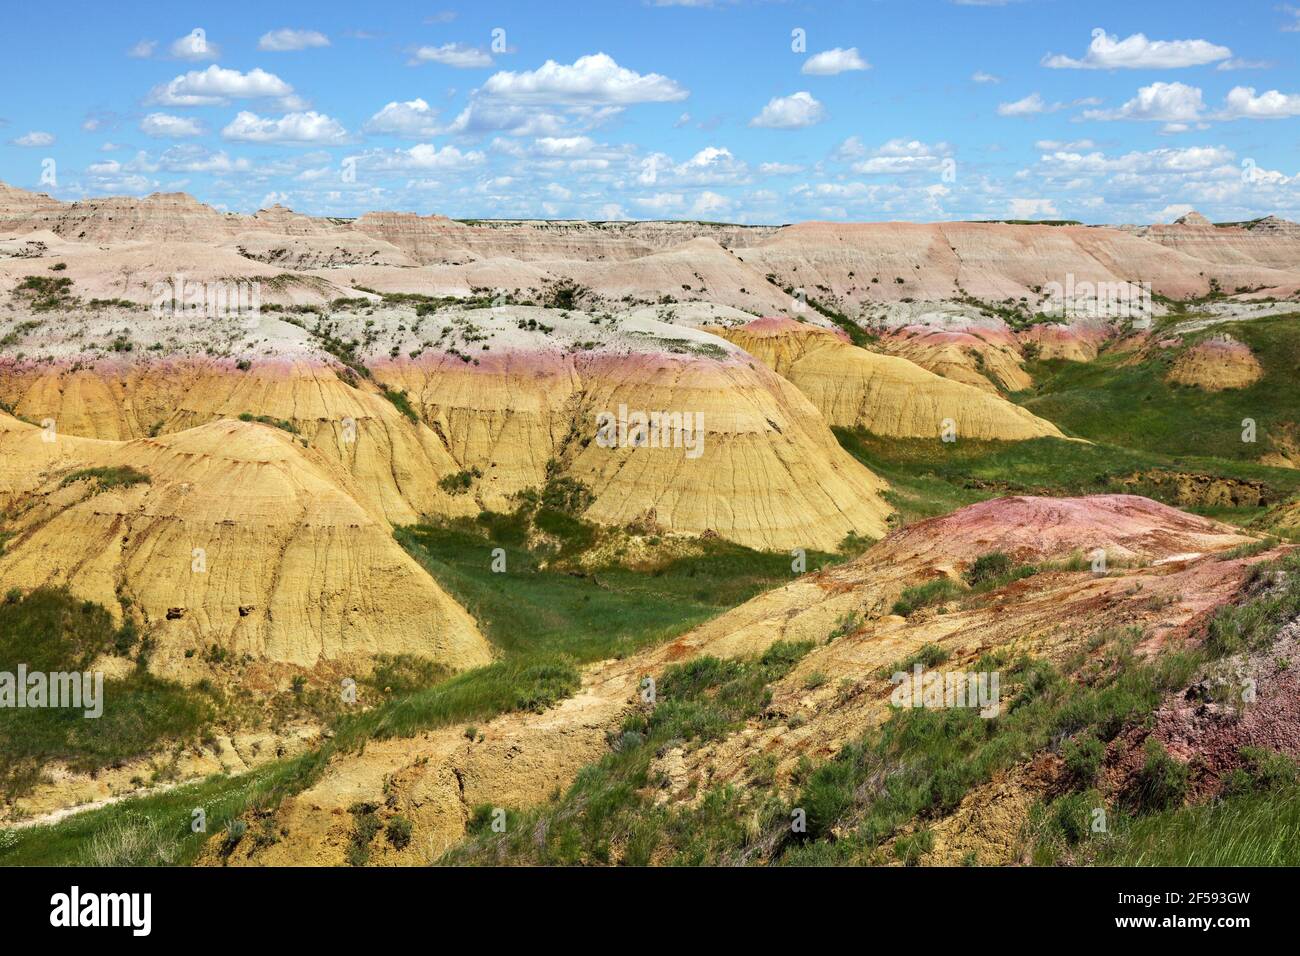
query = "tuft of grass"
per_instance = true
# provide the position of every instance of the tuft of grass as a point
(1259, 828)
(121, 476)
(1161, 784)
(268, 420)
(1083, 755)
(936, 591)
(398, 831)
(460, 482)
(1275, 589)
(929, 656)
(403, 404)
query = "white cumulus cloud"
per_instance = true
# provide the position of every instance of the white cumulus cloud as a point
(831, 62)
(217, 85)
(413, 118)
(422, 156)
(1031, 208)
(1109, 52)
(194, 46)
(166, 126)
(453, 54)
(1175, 103)
(711, 166)
(898, 156)
(592, 79)
(1242, 103)
(709, 203)
(34, 138)
(306, 127)
(1028, 106)
(796, 111)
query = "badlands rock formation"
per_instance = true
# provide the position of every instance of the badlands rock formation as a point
(437, 240)
(394, 463)
(509, 395)
(699, 269)
(237, 537)
(850, 266)
(1077, 341)
(988, 358)
(856, 264)
(886, 395)
(768, 474)
(437, 779)
(1269, 242)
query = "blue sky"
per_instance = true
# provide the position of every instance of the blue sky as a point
(741, 111)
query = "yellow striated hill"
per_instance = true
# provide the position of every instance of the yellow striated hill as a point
(884, 394)
(238, 537)
(769, 473)
(988, 358)
(396, 464)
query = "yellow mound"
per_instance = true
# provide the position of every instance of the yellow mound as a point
(1216, 365)
(982, 364)
(240, 537)
(396, 464)
(882, 393)
(769, 474)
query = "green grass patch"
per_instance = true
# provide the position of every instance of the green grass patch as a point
(50, 631)
(268, 420)
(460, 482)
(539, 605)
(936, 591)
(1121, 402)
(929, 478)
(403, 404)
(122, 476)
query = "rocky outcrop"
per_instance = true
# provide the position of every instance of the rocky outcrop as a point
(699, 270)
(438, 240)
(1231, 253)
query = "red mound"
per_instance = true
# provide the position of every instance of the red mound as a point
(1035, 529)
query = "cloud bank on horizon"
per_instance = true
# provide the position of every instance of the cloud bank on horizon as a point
(738, 111)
